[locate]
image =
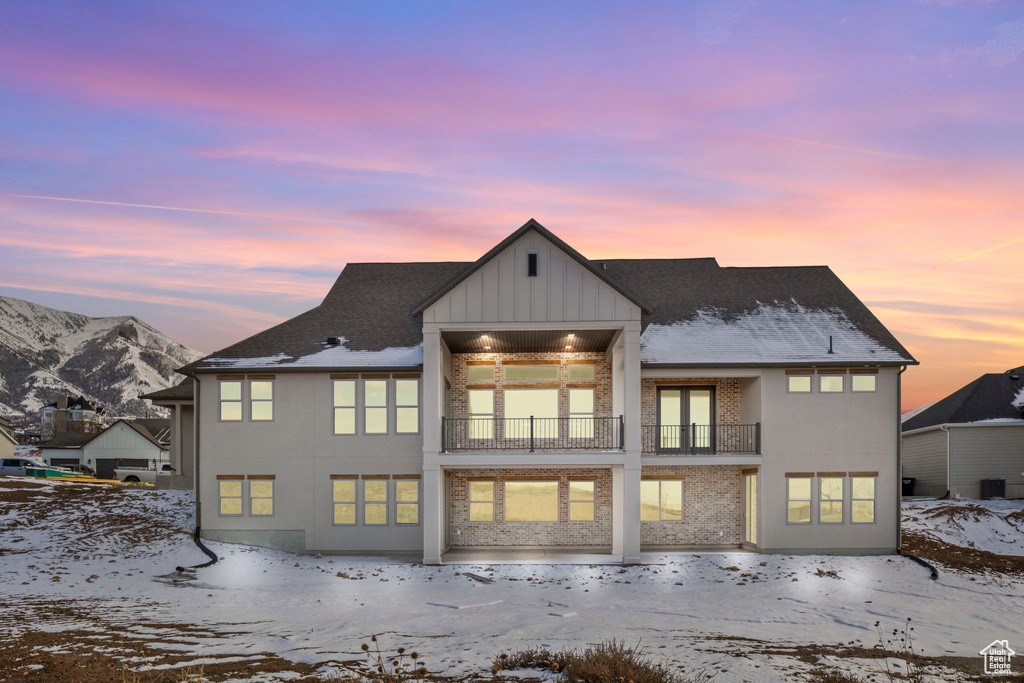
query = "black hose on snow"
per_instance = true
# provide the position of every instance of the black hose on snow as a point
(209, 553)
(915, 558)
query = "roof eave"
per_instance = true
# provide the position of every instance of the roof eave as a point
(782, 364)
(307, 369)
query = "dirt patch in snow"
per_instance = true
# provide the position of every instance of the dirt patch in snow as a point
(959, 558)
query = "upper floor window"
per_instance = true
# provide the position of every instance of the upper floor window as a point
(831, 384)
(375, 406)
(344, 406)
(582, 371)
(522, 404)
(481, 413)
(231, 400)
(798, 384)
(863, 383)
(261, 400)
(480, 373)
(531, 372)
(581, 413)
(407, 401)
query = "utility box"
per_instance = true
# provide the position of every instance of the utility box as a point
(993, 488)
(908, 486)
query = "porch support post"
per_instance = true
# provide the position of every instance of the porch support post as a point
(618, 491)
(631, 387)
(433, 515)
(631, 515)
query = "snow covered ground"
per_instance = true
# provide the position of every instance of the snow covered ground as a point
(89, 569)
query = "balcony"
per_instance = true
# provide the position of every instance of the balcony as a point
(697, 439)
(532, 434)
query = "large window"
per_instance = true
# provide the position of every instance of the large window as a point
(531, 372)
(830, 500)
(231, 400)
(344, 496)
(407, 501)
(661, 500)
(375, 402)
(799, 499)
(230, 497)
(261, 497)
(581, 501)
(375, 502)
(582, 371)
(261, 400)
(581, 413)
(481, 501)
(407, 402)
(863, 500)
(531, 501)
(481, 413)
(521, 404)
(344, 406)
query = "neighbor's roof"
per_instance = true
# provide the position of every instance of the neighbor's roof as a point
(70, 440)
(703, 315)
(8, 435)
(80, 403)
(182, 391)
(990, 397)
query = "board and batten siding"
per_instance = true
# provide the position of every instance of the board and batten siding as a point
(983, 452)
(562, 290)
(924, 458)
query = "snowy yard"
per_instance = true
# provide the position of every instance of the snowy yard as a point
(87, 584)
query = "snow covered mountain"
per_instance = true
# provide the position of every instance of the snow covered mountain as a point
(45, 352)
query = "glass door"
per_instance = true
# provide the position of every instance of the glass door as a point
(686, 419)
(750, 509)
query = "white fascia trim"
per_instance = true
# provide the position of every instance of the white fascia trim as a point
(960, 425)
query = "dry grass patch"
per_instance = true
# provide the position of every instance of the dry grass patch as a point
(608, 662)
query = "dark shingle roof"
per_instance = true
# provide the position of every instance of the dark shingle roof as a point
(155, 430)
(80, 403)
(990, 397)
(369, 307)
(182, 391)
(70, 440)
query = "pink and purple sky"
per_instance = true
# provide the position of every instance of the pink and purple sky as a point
(211, 167)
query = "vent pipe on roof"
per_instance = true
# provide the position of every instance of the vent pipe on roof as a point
(830, 344)
(333, 341)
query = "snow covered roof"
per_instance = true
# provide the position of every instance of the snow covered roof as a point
(695, 313)
(182, 391)
(992, 397)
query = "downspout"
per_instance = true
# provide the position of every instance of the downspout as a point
(197, 419)
(899, 456)
(945, 428)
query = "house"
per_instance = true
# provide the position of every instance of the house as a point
(7, 439)
(70, 415)
(178, 399)
(125, 443)
(536, 398)
(975, 433)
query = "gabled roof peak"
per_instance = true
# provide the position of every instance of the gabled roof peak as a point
(526, 227)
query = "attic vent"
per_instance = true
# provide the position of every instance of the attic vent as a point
(333, 341)
(531, 265)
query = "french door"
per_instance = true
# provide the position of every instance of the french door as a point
(686, 419)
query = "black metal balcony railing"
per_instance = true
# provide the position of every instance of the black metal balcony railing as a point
(695, 439)
(531, 434)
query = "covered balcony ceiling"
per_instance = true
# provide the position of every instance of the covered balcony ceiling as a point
(528, 341)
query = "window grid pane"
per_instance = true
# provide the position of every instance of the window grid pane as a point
(862, 507)
(261, 497)
(344, 497)
(230, 498)
(830, 384)
(799, 502)
(231, 401)
(261, 400)
(581, 501)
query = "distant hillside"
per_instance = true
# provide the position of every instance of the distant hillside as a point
(45, 352)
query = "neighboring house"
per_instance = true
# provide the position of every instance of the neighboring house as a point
(975, 433)
(127, 443)
(180, 402)
(537, 398)
(7, 439)
(70, 415)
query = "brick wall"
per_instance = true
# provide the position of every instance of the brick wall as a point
(727, 397)
(712, 496)
(602, 374)
(501, 533)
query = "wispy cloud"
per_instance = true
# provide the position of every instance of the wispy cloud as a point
(999, 51)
